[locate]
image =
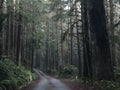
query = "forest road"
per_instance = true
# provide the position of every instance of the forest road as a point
(49, 83)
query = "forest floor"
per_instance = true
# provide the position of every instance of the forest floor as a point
(44, 82)
(75, 85)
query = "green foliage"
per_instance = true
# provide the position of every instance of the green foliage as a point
(117, 73)
(108, 85)
(9, 84)
(12, 76)
(2, 18)
(68, 71)
(6, 68)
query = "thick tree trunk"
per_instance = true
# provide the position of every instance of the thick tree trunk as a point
(57, 48)
(47, 47)
(78, 42)
(32, 48)
(87, 59)
(112, 31)
(104, 69)
(1, 15)
(18, 61)
(71, 42)
(61, 42)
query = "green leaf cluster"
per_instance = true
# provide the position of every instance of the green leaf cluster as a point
(12, 76)
(107, 85)
(68, 71)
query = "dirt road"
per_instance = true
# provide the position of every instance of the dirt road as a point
(48, 83)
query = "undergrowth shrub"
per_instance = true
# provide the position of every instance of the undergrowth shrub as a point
(107, 85)
(117, 74)
(110, 85)
(9, 85)
(7, 69)
(12, 76)
(68, 71)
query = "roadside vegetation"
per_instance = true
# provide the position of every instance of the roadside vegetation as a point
(13, 77)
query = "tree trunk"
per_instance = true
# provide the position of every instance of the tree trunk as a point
(112, 31)
(104, 69)
(1, 15)
(18, 61)
(71, 41)
(87, 60)
(78, 41)
(61, 42)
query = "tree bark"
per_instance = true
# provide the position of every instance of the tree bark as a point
(104, 68)
(1, 14)
(112, 32)
(18, 60)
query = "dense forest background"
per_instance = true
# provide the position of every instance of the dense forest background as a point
(78, 38)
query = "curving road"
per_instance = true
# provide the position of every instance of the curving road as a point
(49, 83)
